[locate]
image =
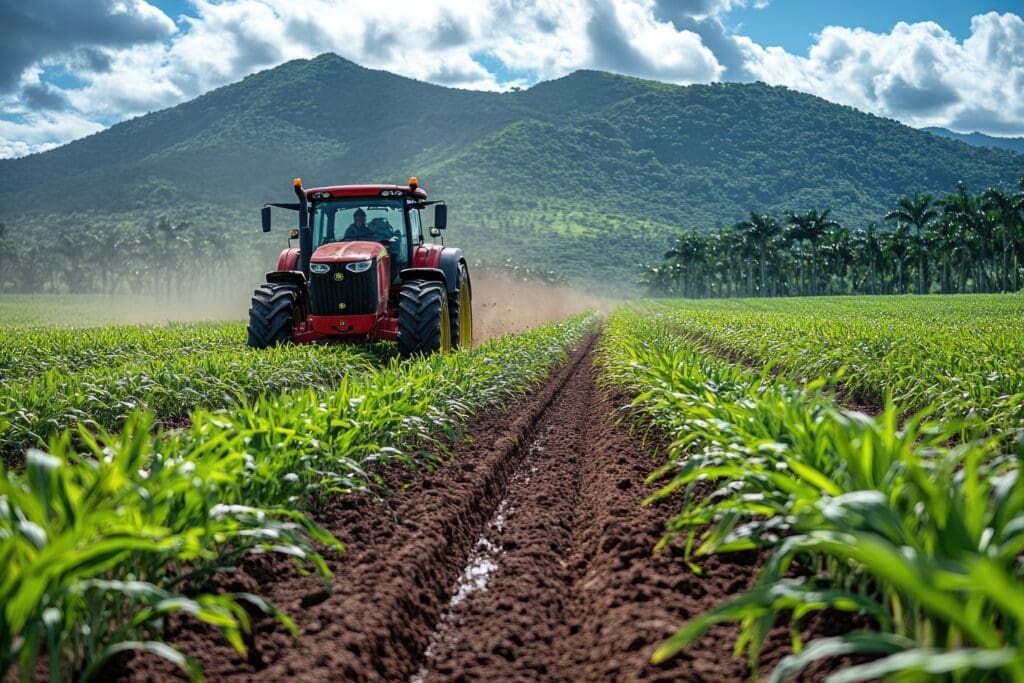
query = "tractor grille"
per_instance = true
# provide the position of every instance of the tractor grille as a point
(358, 291)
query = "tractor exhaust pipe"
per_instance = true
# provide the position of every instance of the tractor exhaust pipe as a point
(305, 234)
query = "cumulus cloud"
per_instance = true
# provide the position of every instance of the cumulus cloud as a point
(917, 73)
(704, 17)
(626, 38)
(33, 31)
(38, 132)
(43, 96)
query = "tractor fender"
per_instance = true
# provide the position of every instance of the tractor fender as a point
(434, 274)
(449, 263)
(445, 259)
(289, 259)
(290, 277)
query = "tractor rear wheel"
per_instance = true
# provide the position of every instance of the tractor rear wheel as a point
(460, 310)
(424, 325)
(272, 315)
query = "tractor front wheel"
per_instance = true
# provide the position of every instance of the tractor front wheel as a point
(424, 325)
(271, 315)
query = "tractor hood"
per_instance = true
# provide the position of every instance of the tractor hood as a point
(344, 252)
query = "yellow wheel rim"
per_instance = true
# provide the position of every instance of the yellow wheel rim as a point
(446, 325)
(465, 317)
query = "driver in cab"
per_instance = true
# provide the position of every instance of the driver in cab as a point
(377, 230)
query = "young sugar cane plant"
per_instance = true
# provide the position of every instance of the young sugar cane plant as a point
(97, 548)
(103, 536)
(168, 383)
(962, 356)
(888, 520)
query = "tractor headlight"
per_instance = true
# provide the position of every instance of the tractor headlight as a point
(358, 266)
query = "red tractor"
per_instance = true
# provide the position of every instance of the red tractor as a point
(363, 271)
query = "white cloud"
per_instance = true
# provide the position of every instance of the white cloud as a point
(626, 37)
(39, 132)
(31, 32)
(917, 73)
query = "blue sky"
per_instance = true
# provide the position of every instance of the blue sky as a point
(69, 68)
(793, 23)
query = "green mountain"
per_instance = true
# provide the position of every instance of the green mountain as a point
(977, 139)
(587, 176)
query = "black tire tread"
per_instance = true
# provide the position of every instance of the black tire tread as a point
(270, 315)
(419, 317)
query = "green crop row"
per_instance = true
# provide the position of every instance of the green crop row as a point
(98, 547)
(169, 384)
(28, 352)
(962, 355)
(883, 519)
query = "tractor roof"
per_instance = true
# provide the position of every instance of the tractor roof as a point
(365, 191)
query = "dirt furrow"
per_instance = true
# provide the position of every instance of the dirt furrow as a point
(526, 556)
(576, 593)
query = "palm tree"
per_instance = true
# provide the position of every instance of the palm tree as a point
(897, 246)
(810, 226)
(657, 279)
(966, 211)
(961, 242)
(944, 236)
(1008, 210)
(733, 255)
(867, 249)
(794, 238)
(761, 229)
(839, 245)
(919, 212)
(689, 253)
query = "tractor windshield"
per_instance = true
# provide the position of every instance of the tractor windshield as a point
(368, 219)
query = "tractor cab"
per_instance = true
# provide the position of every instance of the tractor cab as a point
(364, 271)
(388, 221)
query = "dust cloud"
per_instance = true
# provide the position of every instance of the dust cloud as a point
(503, 304)
(94, 310)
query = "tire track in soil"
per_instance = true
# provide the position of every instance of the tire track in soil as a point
(544, 504)
(576, 593)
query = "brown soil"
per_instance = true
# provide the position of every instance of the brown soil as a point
(526, 556)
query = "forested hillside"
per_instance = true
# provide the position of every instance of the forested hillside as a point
(586, 176)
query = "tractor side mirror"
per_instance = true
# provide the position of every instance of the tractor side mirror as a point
(440, 216)
(265, 216)
(435, 232)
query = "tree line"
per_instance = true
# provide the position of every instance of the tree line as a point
(955, 243)
(160, 257)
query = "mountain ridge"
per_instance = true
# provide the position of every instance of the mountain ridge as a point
(977, 139)
(559, 175)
